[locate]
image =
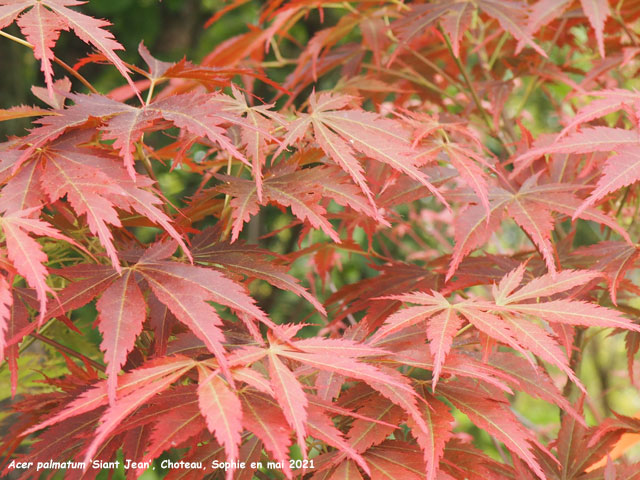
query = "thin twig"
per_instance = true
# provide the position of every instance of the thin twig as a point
(474, 95)
(68, 68)
(68, 351)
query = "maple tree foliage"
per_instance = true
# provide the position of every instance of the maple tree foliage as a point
(405, 138)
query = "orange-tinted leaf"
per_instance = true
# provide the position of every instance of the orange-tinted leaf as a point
(22, 111)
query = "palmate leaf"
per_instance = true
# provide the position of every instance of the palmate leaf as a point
(183, 289)
(300, 190)
(186, 289)
(453, 16)
(200, 115)
(342, 133)
(42, 27)
(331, 355)
(93, 183)
(334, 355)
(531, 208)
(302, 198)
(508, 318)
(442, 327)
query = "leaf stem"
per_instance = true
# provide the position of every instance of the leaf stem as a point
(574, 361)
(497, 51)
(64, 65)
(418, 79)
(619, 210)
(145, 161)
(474, 95)
(68, 351)
(226, 209)
(632, 36)
(150, 92)
(433, 66)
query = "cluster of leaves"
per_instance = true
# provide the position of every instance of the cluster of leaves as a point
(392, 138)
